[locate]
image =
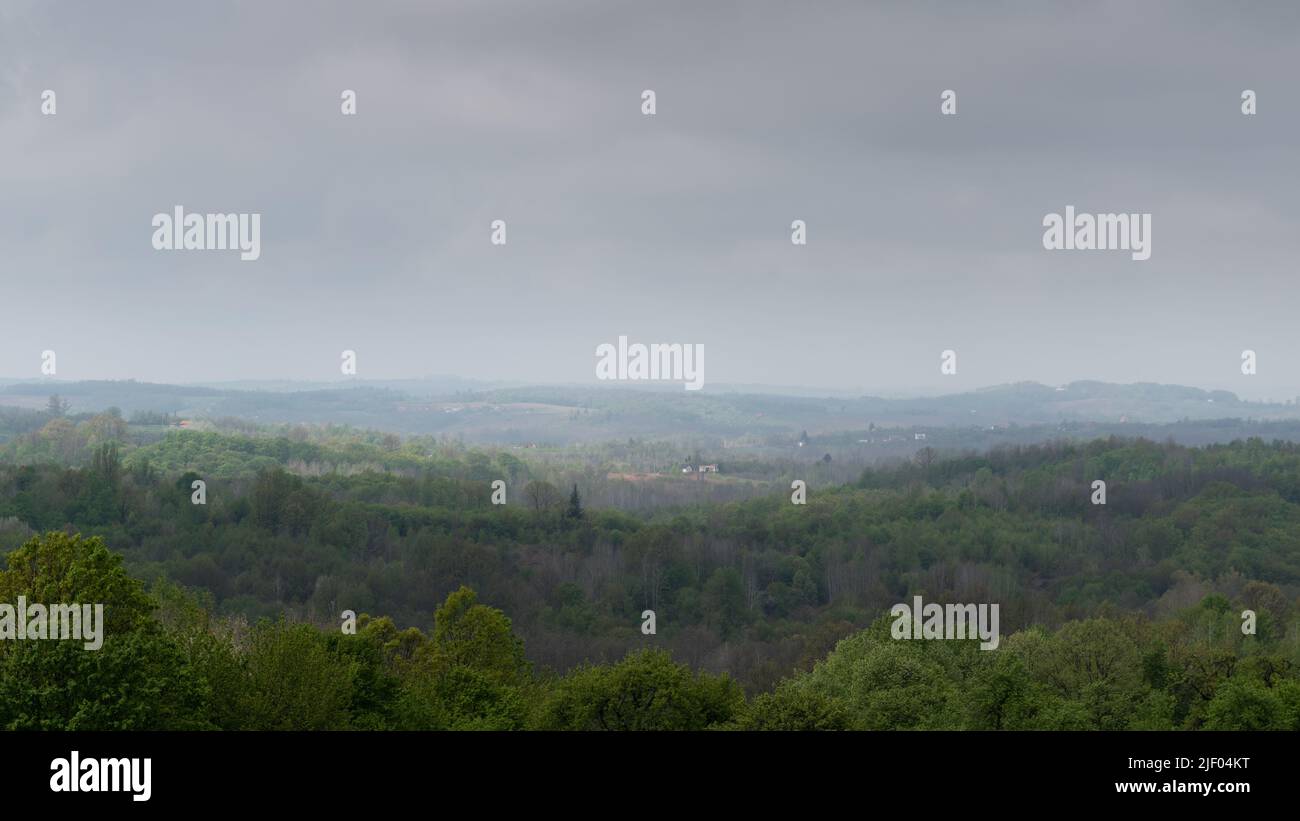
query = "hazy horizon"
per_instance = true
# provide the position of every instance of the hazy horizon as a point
(454, 383)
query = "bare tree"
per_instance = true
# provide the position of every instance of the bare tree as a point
(542, 496)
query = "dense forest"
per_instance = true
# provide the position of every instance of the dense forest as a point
(768, 613)
(300, 525)
(167, 663)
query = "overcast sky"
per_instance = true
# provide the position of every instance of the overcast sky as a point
(924, 231)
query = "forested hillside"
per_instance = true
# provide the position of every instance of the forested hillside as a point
(167, 663)
(756, 588)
